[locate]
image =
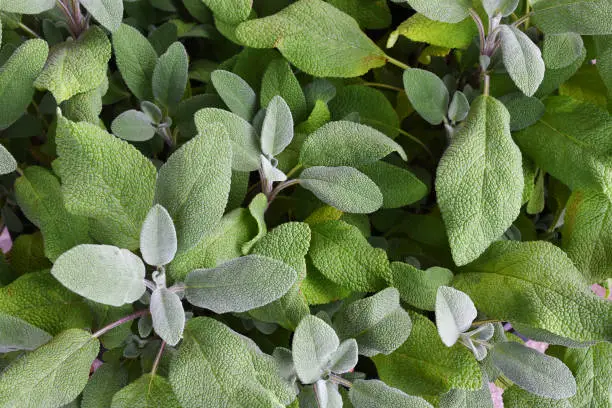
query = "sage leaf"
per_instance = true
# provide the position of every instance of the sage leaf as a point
(448, 35)
(459, 107)
(369, 14)
(590, 17)
(107, 380)
(170, 75)
(522, 59)
(279, 80)
(102, 273)
(149, 391)
(31, 381)
(561, 50)
(427, 94)
(167, 315)
(377, 394)
(524, 110)
(419, 288)
(230, 11)
(17, 334)
(236, 93)
(516, 397)
(314, 343)
(480, 181)
(8, 164)
(317, 38)
(271, 173)
(26, 7)
(503, 7)
(158, 237)
(398, 186)
(344, 359)
(587, 364)
(448, 11)
(134, 126)
(533, 371)
(108, 13)
(457, 398)
(257, 209)
(277, 129)
(455, 313)
(239, 285)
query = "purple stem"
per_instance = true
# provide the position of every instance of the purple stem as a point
(119, 322)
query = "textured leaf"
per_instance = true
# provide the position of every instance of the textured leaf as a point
(342, 254)
(561, 50)
(535, 372)
(193, 185)
(280, 80)
(103, 384)
(522, 59)
(40, 300)
(519, 281)
(449, 11)
(398, 186)
(239, 285)
(345, 143)
(108, 13)
(459, 107)
(134, 126)
(585, 17)
(419, 288)
(170, 75)
(378, 323)
(257, 208)
(136, 59)
(456, 398)
(315, 37)
(216, 364)
(39, 196)
(76, 66)
(344, 359)
(314, 343)
(515, 397)
(370, 14)
(102, 273)
(230, 11)
(31, 381)
(158, 237)
(425, 366)
(236, 93)
(427, 94)
(86, 106)
(524, 110)
(8, 164)
(277, 128)
(455, 313)
(26, 7)
(593, 372)
(90, 161)
(17, 334)
(377, 394)
(168, 315)
(480, 181)
(421, 29)
(503, 7)
(149, 391)
(17, 78)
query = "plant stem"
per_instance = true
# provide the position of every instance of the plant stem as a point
(158, 358)
(487, 83)
(119, 322)
(336, 379)
(294, 170)
(417, 141)
(72, 26)
(483, 322)
(396, 62)
(385, 86)
(281, 187)
(28, 30)
(481, 30)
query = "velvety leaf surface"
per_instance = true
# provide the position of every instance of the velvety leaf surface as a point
(376, 394)
(579, 16)
(149, 391)
(417, 287)
(17, 334)
(421, 29)
(103, 384)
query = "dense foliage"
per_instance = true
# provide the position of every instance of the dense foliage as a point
(271, 203)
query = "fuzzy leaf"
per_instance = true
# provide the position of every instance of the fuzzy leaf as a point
(280, 80)
(236, 93)
(168, 315)
(104, 383)
(457, 398)
(170, 75)
(149, 391)
(524, 110)
(108, 13)
(503, 7)
(522, 59)
(586, 17)
(448, 11)
(313, 346)
(26, 7)
(8, 164)
(344, 359)
(455, 313)
(134, 126)
(419, 288)
(459, 107)
(277, 129)
(370, 14)
(158, 237)
(421, 29)
(17, 334)
(561, 50)
(230, 11)
(593, 373)
(377, 394)
(398, 186)
(257, 208)
(427, 94)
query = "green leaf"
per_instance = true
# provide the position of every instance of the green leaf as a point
(378, 323)
(277, 128)
(344, 143)
(455, 313)
(257, 208)
(40, 300)
(593, 373)
(8, 164)
(133, 125)
(427, 94)
(136, 59)
(459, 107)
(17, 77)
(370, 14)
(26, 7)
(533, 371)
(421, 29)
(344, 359)
(522, 59)
(456, 398)
(170, 75)
(317, 38)
(448, 11)
(586, 17)
(236, 93)
(17, 334)
(480, 181)
(419, 288)
(102, 273)
(149, 391)
(108, 13)
(342, 254)
(86, 106)
(216, 364)
(243, 138)
(76, 66)
(39, 196)
(103, 384)
(561, 50)
(398, 186)
(377, 394)
(313, 346)
(230, 11)
(603, 45)
(168, 315)
(515, 397)
(553, 78)
(519, 281)
(587, 234)
(524, 110)
(239, 285)
(503, 7)
(31, 381)
(158, 237)
(105, 315)
(280, 80)
(90, 161)
(425, 366)
(193, 185)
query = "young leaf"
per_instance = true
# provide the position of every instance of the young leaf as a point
(108, 379)
(277, 129)
(326, 395)
(167, 315)
(313, 346)
(230, 11)
(26, 7)
(134, 126)
(448, 11)
(108, 13)
(317, 38)
(17, 77)
(239, 285)
(158, 237)
(236, 93)
(344, 359)
(459, 107)
(271, 173)
(480, 181)
(76, 66)
(377, 394)
(170, 75)
(193, 185)
(149, 391)
(136, 59)
(421, 29)
(522, 59)
(17, 334)
(280, 80)
(102, 273)
(31, 381)
(586, 17)
(524, 110)
(378, 323)
(427, 94)
(344, 143)
(419, 288)
(345, 188)
(8, 164)
(534, 371)
(455, 313)
(561, 50)
(503, 7)
(398, 186)
(257, 209)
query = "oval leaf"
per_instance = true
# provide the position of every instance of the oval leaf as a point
(377, 394)
(427, 94)
(455, 313)
(17, 334)
(168, 315)
(158, 237)
(277, 129)
(170, 75)
(236, 93)
(134, 126)
(522, 59)
(314, 343)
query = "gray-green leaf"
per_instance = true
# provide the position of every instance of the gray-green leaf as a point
(134, 126)
(503, 7)
(427, 94)
(344, 359)
(586, 17)
(170, 75)
(419, 288)
(17, 334)
(149, 391)
(524, 110)
(455, 313)
(8, 164)
(377, 394)
(168, 315)
(236, 93)
(448, 11)
(314, 343)
(26, 7)
(561, 50)
(459, 107)
(158, 237)
(522, 59)
(108, 379)
(108, 13)
(277, 129)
